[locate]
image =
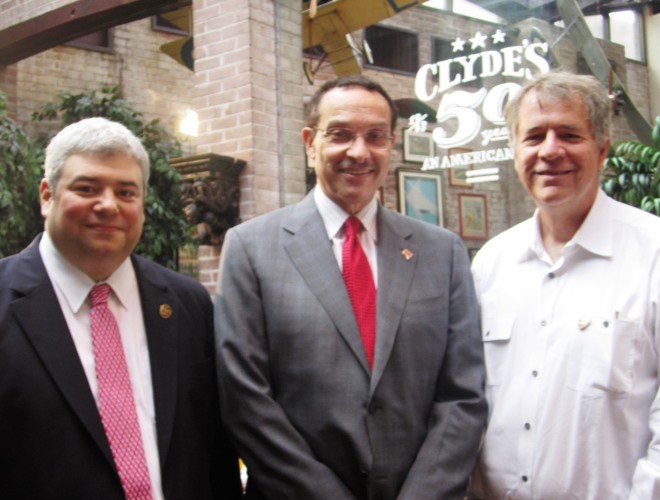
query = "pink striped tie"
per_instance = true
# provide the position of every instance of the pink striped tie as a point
(360, 285)
(116, 403)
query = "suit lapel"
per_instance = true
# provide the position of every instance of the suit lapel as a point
(320, 271)
(39, 314)
(162, 338)
(397, 260)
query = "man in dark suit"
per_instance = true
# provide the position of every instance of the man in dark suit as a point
(56, 428)
(317, 407)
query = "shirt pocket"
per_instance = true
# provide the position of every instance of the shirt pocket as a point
(496, 336)
(601, 356)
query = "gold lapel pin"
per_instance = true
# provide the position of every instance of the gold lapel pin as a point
(165, 311)
(407, 254)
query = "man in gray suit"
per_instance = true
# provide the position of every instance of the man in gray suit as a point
(315, 410)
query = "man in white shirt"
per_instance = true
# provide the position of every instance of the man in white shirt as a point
(138, 420)
(570, 319)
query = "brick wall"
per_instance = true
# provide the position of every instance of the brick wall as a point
(248, 94)
(152, 82)
(8, 86)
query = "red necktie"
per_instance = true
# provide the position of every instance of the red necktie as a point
(116, 403)
(360, 285)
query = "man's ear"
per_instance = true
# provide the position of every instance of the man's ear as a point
(308, 135)
(45, 197)
(602, 152)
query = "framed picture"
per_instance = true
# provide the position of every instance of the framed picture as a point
(457, 175)
(417, 146)
(420, 196)
(473, 216)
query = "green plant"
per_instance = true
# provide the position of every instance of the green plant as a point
(20, 171)
(631, 173)
(165, 228)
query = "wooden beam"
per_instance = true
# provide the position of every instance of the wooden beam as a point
(74, 20)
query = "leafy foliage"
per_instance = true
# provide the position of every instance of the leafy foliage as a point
(165, 228)
(631, 173)
(20, 171)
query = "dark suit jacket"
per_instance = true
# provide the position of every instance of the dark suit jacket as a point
(306, 413)
(52, 444)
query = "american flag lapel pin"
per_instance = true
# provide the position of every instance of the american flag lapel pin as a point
(407, 254)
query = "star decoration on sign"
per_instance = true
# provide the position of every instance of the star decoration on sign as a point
(458, 45)
(478, 40)
(498, 37)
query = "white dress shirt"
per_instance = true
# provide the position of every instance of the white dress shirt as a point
(72, 288)
(572, 361)
(334, 217)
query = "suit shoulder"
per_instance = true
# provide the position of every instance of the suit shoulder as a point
(179, 282)
(260, 222)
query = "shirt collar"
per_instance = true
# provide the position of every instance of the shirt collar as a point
(594, 235)
(74, 284)
(334, 216)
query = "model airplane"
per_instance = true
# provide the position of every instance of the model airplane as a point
(329, 24)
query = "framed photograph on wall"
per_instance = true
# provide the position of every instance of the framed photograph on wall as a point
(457, 177)
(473, 216)
(420, 196)
(417, 146)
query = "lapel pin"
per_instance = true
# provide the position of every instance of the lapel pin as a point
(583, 323)
(165, 311)
(407, 254)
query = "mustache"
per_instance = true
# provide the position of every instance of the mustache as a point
(350, 163)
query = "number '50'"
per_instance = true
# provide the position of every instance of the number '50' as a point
(461, 106)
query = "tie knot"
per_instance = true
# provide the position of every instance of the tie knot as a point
(352, 226)
(99, 294)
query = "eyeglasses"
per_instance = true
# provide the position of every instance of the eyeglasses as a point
(346, 137)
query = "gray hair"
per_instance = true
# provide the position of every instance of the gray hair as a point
(558, 86)
(93, 136)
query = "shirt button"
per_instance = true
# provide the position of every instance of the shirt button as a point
(551, 276)
(527, 426)
(543, 322)
(524, 478)
(535, 373)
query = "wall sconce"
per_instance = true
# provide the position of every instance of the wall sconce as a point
(189, 124)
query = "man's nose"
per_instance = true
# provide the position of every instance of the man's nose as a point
(359, 149)
(552, 147)
(107, 201)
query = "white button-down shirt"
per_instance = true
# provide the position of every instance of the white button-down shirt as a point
(572, 361)
(72, 288)
(333, 219)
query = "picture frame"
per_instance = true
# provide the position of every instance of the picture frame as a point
(420, 196)
(417, 146)
(473, 216)
(457, 177)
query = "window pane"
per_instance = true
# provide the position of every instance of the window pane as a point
(625, 29)
(596, 26)
(393, 49)
(466, 8)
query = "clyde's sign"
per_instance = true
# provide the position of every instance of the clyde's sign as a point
(463, 115)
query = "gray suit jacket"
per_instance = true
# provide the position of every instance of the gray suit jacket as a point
(306, 413)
